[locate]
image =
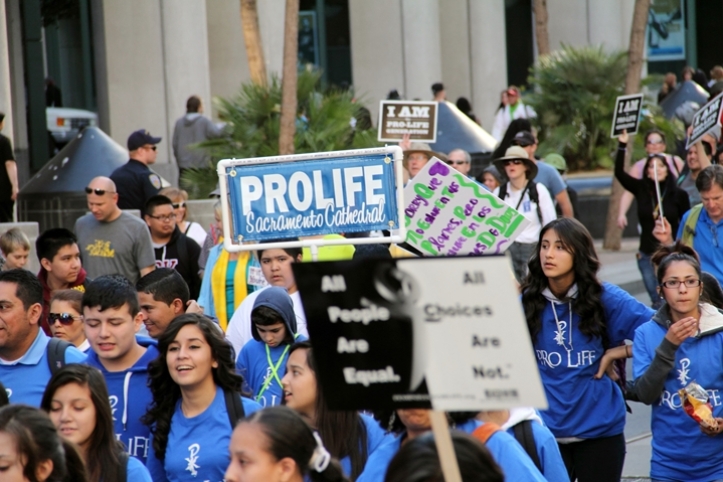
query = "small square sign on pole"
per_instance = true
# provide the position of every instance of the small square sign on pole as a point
(627, 114)
(707, 118)
(397, 118)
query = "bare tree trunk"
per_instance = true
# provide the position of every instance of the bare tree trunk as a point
(613, 233)
(252, 39)
(287, 129)
(541, 33)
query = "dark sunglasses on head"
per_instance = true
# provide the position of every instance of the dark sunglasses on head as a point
(516, 162)
(63, 318)
(178, 205)
(99, 192)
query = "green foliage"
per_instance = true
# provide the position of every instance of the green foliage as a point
(574, 95)
(324, 123)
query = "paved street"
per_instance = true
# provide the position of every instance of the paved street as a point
(620, 268)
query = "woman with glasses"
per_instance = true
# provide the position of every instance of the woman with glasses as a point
(532, 199)
(657, 187)
(190, 228)
(682, 343)
(65, 319)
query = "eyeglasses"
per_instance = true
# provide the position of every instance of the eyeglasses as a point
(63, 318)
(654, 142)
(99, 192)
(178, 205)
(456, 163)
(675, 283)
(163, 219)
(516, 162)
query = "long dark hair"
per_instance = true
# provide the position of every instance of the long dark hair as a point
(37, 440)
(166, 392)
(103, 460)
(343, 432)
(577, 241)
(288, 435)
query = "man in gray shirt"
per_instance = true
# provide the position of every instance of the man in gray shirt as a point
(190, 129)
(110, 240)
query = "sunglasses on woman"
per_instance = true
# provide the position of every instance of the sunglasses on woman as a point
(178, 205)
(516, 162)
(63, 318)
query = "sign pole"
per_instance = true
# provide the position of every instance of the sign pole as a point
(445, 448)
(657, 193)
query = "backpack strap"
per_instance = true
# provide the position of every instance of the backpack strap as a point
(523, 434)
(234, 407)
(56, 354)
(690, 224)
(485, 431)
(530, 187)
(123, 460)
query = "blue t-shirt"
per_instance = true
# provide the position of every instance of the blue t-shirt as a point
(136, 471)
(376, 437)
(253, 364)
(550, 178)
(553, 467)
(680, 450)
(707, 242)
(129, 398)
(504, 449)
(197, 447)
(567, 360)
(25, 379)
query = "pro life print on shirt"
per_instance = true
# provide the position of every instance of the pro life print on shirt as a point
(672, 399)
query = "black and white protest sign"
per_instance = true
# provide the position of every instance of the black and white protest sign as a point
(627, 114)
(449, 332)
(400, 117)
(706, 119)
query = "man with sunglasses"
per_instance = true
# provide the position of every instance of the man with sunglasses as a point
(172, 248)
(136, 181)
(60, 267)
(112, 241)
(460, 160)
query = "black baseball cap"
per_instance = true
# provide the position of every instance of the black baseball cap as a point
(140, 138)
(523, 139)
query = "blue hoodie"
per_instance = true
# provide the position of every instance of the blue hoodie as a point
(257, 360)
(505, 450)
(129, 398)
(376, 438)
(568, 361)
(680, 450)
(197, 447)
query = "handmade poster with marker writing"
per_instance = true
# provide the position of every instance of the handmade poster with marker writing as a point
(417, 119)
(708, 117)
(627, 114)
(445, 333)
(344, 194)
(447, 213)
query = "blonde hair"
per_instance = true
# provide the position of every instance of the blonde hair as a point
(174, 193)
(13, 239)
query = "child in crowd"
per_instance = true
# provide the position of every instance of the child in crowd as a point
(15, 248)
(66, 321)
(76, 399)
(112, 319)
(196, 402)
(262, 361)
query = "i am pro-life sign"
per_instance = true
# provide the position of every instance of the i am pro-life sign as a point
(400, 117)
(311, 194)
(709, 116)
(627, 114)
(418, 332)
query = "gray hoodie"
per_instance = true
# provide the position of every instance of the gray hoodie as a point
(191, 129)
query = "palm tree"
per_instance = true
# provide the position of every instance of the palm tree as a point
(288, 78)
(541, 32)
(252, 39)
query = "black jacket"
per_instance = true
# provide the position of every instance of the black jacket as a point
(181, 253)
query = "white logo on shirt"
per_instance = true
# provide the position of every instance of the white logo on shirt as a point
(683, 372)
(113, 402)
(192, 457)
(560, 333)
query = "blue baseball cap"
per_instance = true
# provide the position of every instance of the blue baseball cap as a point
(140, 138)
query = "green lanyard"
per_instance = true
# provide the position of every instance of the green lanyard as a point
(274, 369)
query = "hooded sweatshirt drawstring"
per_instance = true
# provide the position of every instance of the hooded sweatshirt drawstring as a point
(126, 384)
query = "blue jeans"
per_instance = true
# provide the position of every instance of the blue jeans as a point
(647, 270)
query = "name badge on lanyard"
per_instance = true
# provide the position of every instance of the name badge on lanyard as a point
(526, 206)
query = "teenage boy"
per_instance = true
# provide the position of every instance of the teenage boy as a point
(262, 361)
(276, 268)
(15, 248)
(112, 317)
(163, 295)
(24, 364)
(171, 247)
(60, 266)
